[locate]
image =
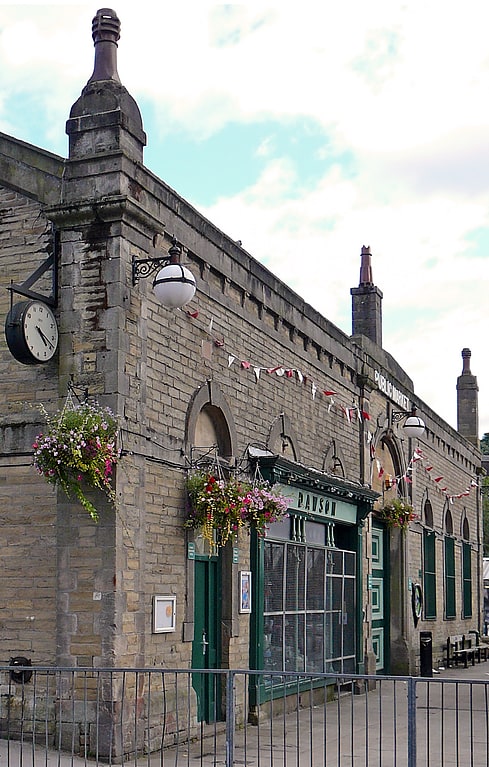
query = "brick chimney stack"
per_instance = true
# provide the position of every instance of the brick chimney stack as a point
(468, 402)
(367, 302)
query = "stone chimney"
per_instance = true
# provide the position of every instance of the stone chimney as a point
(468, 402)
(367, 302)
(105, 118)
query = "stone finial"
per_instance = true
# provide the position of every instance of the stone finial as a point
(466, 355)
(366, 266)
(106, 29)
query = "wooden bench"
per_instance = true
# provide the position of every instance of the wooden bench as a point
(480, 648)
(459, 649)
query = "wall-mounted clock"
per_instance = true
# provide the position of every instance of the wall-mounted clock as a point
(31, 332)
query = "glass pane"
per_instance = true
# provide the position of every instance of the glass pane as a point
(336, 557)
(280, 529)
(337, 634)
(296, 566)
(273, 643)
(273, 576)
(337, 589)
(294, 643)
(314, 642)
(315, 579)
(328, 637)
(350, 563)
(315, 533)
(349, 617)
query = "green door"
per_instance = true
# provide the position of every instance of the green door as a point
(206, 648)
(380, 624)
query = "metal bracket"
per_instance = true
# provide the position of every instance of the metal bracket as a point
(143, 267)
(25, 288)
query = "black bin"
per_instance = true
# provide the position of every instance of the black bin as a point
(425, 653)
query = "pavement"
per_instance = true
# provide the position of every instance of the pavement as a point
(451, 710)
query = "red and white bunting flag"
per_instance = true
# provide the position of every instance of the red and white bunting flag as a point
(246, 365)
(256, 371)
(429, 468)
(299, 376)
(380, 469)
(438, 479)
(273, 370)
(289, 373)
(230, 360)
(314, 389)
(365, 415)
(328, 393)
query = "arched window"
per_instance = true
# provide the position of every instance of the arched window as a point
(466, 570)
(210, 428)
(429, 562)
(449, 566)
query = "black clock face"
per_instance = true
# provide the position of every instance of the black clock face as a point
(31, 332)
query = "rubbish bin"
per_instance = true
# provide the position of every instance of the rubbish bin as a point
(425, 653)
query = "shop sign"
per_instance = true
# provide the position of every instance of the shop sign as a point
(391, 391)
(319, 505)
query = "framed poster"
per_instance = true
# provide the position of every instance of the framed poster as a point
(245, 591)
(164, 611)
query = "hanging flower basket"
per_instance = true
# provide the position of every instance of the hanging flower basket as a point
(398, 513)
(78, 446)
(220, 507)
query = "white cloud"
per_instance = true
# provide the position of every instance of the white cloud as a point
(399, 88)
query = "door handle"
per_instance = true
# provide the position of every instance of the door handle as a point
(204, 643)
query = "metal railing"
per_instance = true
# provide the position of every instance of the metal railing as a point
(75, 716)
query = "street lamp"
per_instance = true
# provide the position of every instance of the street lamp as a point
(174, 285)
(413, 425)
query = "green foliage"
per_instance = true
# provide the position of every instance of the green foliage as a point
(220, 508)
(485, 444)
(78, 445)
(398, 513)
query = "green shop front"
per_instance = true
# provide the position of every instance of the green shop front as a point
(307, 577)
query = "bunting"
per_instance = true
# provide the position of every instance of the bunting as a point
(439, 485)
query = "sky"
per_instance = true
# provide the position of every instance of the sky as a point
(306, 131)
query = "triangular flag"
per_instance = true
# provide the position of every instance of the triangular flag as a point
(438, 479)
(314, 389)
(329, 393)
(365, 415)
(230, 360)
(245, 365)
(256, 371)
(299, 376)
(289, 373)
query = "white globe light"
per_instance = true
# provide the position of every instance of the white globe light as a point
(174, 286)
(413, 426)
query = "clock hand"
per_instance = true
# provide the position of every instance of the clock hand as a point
(46, 340)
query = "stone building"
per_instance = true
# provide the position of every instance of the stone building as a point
(246, 380)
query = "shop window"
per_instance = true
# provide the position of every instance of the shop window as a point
(449, 567)
(309, 606)
(466, 572)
